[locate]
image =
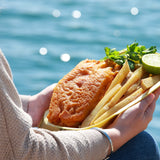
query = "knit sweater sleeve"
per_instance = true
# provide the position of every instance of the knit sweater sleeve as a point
(18, 140)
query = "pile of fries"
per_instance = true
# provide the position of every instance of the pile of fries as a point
(124, 89)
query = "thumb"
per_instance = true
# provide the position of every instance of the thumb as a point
(144, 104)
(148, 113)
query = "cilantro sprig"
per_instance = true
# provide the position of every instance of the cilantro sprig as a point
(133, 53)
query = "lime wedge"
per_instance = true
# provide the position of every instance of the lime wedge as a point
(151, 63)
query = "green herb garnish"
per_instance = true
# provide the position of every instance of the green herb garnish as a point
(133, 53)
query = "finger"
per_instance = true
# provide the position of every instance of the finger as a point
(49, 89)
(157, 93)
(149, 111)
(53, 85)
(146, 102)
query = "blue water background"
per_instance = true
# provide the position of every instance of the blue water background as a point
(27, 25)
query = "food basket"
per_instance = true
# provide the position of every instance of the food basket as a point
(47, 125)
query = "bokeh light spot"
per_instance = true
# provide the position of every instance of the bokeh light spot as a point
(56, 13)
(76, 14)
(116, 33)
(43, 51)
(65, 57)
(134, 11)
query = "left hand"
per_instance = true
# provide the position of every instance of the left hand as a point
(39, 103)
(132, 121)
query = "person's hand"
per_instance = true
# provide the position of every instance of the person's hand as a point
(132, 121)
(39, 103)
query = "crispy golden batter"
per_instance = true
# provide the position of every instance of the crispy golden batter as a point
(77, 93)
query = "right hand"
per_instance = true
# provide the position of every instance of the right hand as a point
(133, 120)
(39, 103)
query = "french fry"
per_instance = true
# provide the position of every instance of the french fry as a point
(149, 82)
(102, 102)
(100, 113)
(120, 105)
(133, 88)
(120, 76)
(137, 74)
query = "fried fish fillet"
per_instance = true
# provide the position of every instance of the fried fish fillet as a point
(77, 93)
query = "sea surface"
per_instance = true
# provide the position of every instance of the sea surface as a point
(43, 40)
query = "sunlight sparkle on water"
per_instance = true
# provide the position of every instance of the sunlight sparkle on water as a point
(116, 33)
(65, 57)
(56, 13)
(43, 51)
(76, 14)
(134, 11)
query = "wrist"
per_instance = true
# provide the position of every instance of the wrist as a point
(118, 139)
(111, 148)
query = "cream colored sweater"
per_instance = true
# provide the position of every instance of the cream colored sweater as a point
(20, 141)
